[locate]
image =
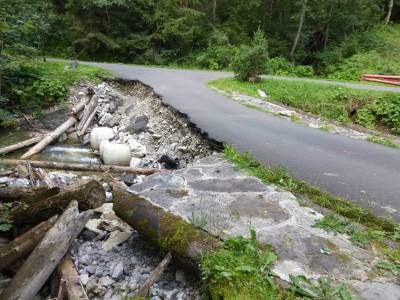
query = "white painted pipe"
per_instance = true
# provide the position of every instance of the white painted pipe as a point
(116, 154)
(102, 144)
(98, 134)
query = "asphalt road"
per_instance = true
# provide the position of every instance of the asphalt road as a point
(364, 172)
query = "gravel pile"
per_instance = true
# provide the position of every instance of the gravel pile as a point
(121, 271)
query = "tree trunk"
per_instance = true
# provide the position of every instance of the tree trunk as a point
(92, 105)
(9, 194)
(390, 9)
(68, 274)
(299, 31)
(45, 178)
(214, 10)
(186, 242)
(50, 138)
(87, 122)
(81, 167)
(44, 259)
(154, 276)
(21, 246)
(20, 145)
(81, 105)
(89, 194)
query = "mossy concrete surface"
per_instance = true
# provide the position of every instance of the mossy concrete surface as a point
(226, 203)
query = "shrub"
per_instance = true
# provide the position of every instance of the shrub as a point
(30, 86)
(279, 66)
(250, 59)
(304, 71)
(219, 53)
(383, 111)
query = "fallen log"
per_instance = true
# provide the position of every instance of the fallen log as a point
(89, 108)
(20, 145)
(81, 105)
(88, 121)
(21, 246)
(72, 289)
(186, 242)
(81, 167)
(45, 178)
(50, 138)
(89, 194)
(154, 276)
(10, 194)
(46, 256)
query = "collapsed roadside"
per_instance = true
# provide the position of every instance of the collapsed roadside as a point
(206, 192)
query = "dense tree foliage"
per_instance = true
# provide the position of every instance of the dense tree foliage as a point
(168, 31)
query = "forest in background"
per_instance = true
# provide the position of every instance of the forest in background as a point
(338, 39)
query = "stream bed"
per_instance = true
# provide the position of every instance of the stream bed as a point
(160, 137)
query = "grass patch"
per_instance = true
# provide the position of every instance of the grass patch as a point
(382, 141)
(241, 270)
(280, 177)
(369, 109)
(359, 235)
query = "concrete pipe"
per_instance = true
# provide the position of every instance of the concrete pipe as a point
(98, 134)
(116, 154)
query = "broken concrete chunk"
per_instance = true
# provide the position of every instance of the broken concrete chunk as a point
(84, 278)
(104, 208)
(93, 225)
(116, 238)
(138, 150)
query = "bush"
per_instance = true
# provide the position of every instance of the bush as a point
(279, 66)
(30, 86)
(304, 71)
(250, 60)
(219, 53)
(383, 111)
(282, 67)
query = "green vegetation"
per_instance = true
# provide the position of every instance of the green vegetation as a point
(37, 85)
(280, 177)
(322, 289)
(241, 270)
(360, 235)
(306, 38)
(382, 141)
(249, 60)
(28, 85)
(366, 108)
(371, 52)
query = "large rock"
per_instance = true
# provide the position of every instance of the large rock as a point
(224, 202)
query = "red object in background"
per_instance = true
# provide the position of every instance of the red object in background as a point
(388, 79)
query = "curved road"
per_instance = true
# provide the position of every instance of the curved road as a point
(364, 172)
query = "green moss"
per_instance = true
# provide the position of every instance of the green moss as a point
(178, 236)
